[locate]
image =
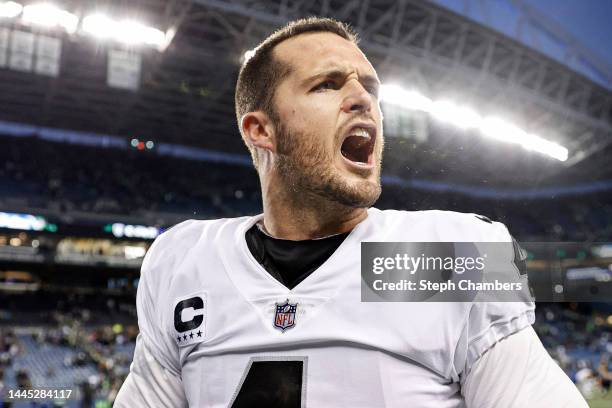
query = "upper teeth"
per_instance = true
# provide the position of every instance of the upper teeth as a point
(361, 132)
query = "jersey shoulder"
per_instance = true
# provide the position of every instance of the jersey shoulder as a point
(172, 246)
(439, 225)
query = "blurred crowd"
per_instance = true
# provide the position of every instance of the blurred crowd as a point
(579, 338)
(103, 353)
(123, 182)
(44, 307)
(133, 182)
(582, 218)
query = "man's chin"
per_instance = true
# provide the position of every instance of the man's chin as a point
(335, 184)
(362, 193)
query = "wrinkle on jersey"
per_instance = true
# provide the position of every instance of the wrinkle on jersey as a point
(290, 262)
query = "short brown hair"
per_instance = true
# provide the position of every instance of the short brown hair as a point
(260, 75)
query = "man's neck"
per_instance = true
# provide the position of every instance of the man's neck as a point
(300, 219)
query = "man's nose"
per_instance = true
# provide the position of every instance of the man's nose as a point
(357, 99)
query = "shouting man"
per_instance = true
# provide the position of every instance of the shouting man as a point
(266, 311)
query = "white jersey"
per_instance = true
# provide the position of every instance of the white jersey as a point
(211, 314)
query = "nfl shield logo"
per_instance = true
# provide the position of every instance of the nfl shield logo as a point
(285, 315)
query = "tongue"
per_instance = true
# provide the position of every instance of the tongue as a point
(356, 148)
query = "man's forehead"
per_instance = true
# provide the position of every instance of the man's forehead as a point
(312, 52)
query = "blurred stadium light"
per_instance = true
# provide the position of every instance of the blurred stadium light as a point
(466, 118)
(10, 9)
(126, 32)
(26, 222)
(48, 15)
(100, 26)
(121, 230)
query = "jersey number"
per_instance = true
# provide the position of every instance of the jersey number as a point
(271, 383)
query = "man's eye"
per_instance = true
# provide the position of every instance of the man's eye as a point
(324, 86)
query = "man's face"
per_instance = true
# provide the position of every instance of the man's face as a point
(329, 126)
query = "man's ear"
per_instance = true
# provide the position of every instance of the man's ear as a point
(258, 130)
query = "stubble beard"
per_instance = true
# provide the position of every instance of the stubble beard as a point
(308, 173)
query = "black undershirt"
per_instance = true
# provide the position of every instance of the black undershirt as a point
(290, 262)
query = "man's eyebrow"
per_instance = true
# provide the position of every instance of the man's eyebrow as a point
(332, 73)
(369, 80)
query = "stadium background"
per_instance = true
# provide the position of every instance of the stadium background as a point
(112, 131)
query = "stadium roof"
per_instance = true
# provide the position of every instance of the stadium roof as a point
(184, 93)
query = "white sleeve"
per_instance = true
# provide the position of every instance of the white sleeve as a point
(488, 323)
(518, 372)
(152, 298)
(149, 384)
(490, 320)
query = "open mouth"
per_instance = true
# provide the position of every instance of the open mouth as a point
(358, 145)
